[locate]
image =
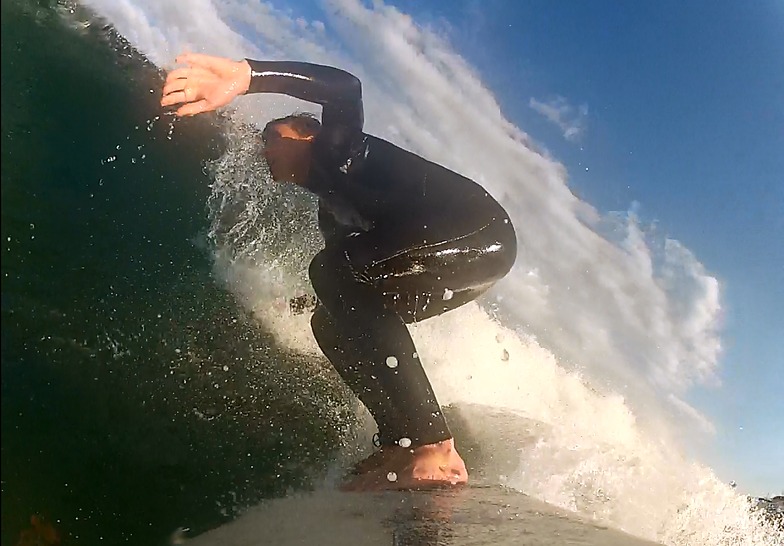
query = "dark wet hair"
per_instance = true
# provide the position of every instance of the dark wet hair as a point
(305, 124)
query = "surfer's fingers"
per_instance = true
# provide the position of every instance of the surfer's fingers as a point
(172, 98)
(193, 108)
(174, 86)
(188, 72)
(184, 91)
(183, 78)
(178, 96)
(191, 86)
(209, 62)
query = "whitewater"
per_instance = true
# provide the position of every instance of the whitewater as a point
(595, 336)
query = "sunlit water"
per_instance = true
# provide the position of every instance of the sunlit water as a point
(149, 357)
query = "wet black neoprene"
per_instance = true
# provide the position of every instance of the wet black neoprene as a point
(405, 239)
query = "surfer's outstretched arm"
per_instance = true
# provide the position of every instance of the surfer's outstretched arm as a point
(208, 82)
(311, 82)
(338, 92)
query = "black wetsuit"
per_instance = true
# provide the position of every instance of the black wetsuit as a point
(405, 239)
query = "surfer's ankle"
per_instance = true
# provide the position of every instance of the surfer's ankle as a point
(443, 446)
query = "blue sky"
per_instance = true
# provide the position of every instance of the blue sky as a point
(685, 123)
(672, 109)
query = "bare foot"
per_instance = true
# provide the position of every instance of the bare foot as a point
(424, 467)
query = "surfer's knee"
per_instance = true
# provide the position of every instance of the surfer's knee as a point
(503, 252)
(508, 255)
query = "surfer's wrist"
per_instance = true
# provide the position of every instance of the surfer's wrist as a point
(244, 75)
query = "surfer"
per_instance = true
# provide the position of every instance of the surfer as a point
(405, 239)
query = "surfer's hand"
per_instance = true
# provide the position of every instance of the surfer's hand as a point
(205, 83)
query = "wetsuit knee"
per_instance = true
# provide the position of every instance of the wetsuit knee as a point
(509, 248)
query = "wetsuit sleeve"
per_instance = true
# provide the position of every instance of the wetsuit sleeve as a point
(338, 92)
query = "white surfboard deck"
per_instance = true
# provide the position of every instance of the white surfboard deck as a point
(481, 514)
(471, 516)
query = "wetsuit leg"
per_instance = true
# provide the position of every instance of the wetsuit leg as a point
(353, 370)
(370, 284)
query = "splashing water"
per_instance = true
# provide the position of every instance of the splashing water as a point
(589, 452)
(263, 233)
(598, 291)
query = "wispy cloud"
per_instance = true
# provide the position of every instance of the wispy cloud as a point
(571, 120)
(690, 412)
(602, 291)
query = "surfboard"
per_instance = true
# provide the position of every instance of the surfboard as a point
(471, 516)
(480, 514)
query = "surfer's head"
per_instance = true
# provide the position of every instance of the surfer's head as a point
(287, 146)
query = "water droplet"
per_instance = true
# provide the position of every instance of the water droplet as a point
(404, 442)
(392, 362)
(448, 294)
(392, 477)
(179, 536)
